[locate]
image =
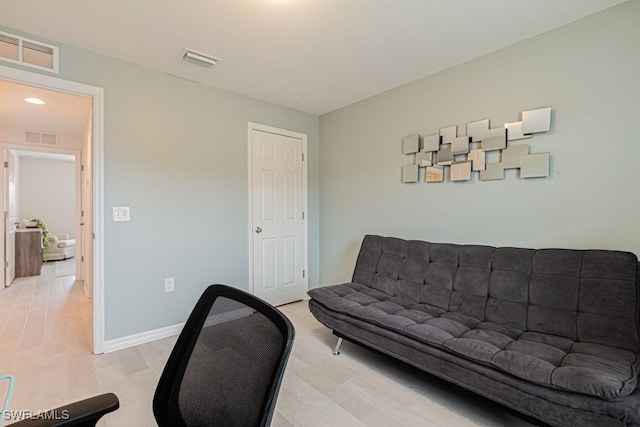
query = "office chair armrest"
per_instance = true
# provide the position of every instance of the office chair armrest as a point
(83, 413)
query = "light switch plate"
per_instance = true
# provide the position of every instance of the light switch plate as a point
(121, 213)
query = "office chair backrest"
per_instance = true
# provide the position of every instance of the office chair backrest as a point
(227, 364)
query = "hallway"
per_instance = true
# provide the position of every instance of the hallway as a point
(45, 325)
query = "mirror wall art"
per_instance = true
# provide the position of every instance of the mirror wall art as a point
(483, 150)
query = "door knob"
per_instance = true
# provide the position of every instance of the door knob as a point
(258, 230)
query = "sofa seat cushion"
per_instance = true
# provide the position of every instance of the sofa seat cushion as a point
(596, 370)
(545, 359)
(427, 323)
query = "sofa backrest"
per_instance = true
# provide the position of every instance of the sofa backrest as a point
(584, 295)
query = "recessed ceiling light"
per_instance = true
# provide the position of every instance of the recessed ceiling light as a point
(36, 101)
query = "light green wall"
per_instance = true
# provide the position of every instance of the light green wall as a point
(176, 152)
(588, 72)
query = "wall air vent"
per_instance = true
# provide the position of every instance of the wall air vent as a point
(41, 138)
(30, 53)
(198, 58)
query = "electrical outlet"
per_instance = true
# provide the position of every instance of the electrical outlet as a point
(169, 284)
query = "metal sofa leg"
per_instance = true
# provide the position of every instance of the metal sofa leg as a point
(336, 351)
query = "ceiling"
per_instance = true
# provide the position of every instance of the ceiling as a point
(311, 55)
(62, 113)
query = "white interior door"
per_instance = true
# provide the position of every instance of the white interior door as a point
(10, 217)
(278, 224)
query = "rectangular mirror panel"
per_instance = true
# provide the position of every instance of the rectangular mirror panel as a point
(534, 121)
(411, 144)
(461, 171)
(448, 134)
(460, 145)
(514, 131)
(434, 174)
(424, 159)
(410, 173)
(492, 133)
(493, 171)
(496, 143)
(477, 130)
(535, 165)
(477, 158)
(511, 156)
(431, 143)
(445, 157)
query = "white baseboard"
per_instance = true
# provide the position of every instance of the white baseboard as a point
(141, 338)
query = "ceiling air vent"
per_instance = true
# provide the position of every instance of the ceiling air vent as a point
(28, 52)
(32, 137)
(198, 58)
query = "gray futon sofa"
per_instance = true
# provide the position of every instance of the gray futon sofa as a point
(551, 333)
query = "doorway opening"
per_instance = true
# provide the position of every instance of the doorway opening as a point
(51, 135)
(42, 194)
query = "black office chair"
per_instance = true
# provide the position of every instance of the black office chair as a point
(225, 368)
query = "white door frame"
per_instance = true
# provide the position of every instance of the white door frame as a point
(9, 207)
(97, 139)
(305, 245)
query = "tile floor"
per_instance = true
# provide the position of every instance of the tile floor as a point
(45, 343)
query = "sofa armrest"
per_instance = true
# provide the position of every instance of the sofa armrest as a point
(66, 243)
(83, 413)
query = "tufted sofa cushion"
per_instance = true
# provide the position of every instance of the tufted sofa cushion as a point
(560, 318)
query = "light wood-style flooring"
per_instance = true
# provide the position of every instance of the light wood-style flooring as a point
(45, 343)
